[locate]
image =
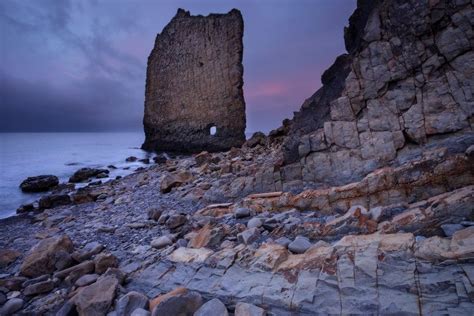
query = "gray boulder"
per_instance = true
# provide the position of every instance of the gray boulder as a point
(255, 222)
(450, 229)
(242, 212)
(140, 312)
(131, 301)
(161, 242)
(248, 236)
(299, 245)
(245, 309)
(11, 306)
(213, 307)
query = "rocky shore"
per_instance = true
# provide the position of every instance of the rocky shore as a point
(401, 240)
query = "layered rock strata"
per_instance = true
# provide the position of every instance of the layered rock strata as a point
(406, 82)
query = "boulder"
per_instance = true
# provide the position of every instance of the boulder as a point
(14, 283)
(248, 236)
(299, 245)
(269, 256)
(154, 214)
(90, 249)
(187, 255)
(8, 256)
(86, 279)
(258, 138)
(175, 179)
(180, 301)
(104, 261)
(203, 158)
(131, 159)
(116, 273)
(25, 208)
(85, 174)
(160, 159)
(45, 256)
(255, 222)
(213, 307)
(470, 151)
(161, 242)
(140, 312)
(145, 161)
(131, 301)
(38, 288)
(102, 175)
(241, 212)
(39, 183)
(175, 221)
(207, 237)
(11, 306)
(96, 299)
(283, 241)
(75, 272)
(54, 200)
(245, 309)
(450, 229)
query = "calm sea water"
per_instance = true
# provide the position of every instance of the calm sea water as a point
(30, 154)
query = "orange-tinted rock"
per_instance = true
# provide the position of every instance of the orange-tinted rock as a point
(8, 256)
(45, 256)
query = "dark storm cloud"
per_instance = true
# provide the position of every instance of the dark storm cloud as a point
(80, 65)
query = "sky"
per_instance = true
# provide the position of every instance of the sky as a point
(70, 65)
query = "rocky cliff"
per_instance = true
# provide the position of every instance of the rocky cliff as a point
(194, 99)
(405, 84)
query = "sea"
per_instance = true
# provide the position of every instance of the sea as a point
(30, 154)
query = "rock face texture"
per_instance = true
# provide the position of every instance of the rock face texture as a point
(406, 82)
(194, 99)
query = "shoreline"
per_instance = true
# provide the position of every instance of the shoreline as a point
(157, 219)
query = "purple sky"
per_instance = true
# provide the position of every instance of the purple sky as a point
(80, 65)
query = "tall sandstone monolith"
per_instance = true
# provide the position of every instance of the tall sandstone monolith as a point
(194, 99)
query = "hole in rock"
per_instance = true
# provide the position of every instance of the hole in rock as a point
(213, 130)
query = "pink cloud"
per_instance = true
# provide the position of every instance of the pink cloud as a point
(266, 89)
